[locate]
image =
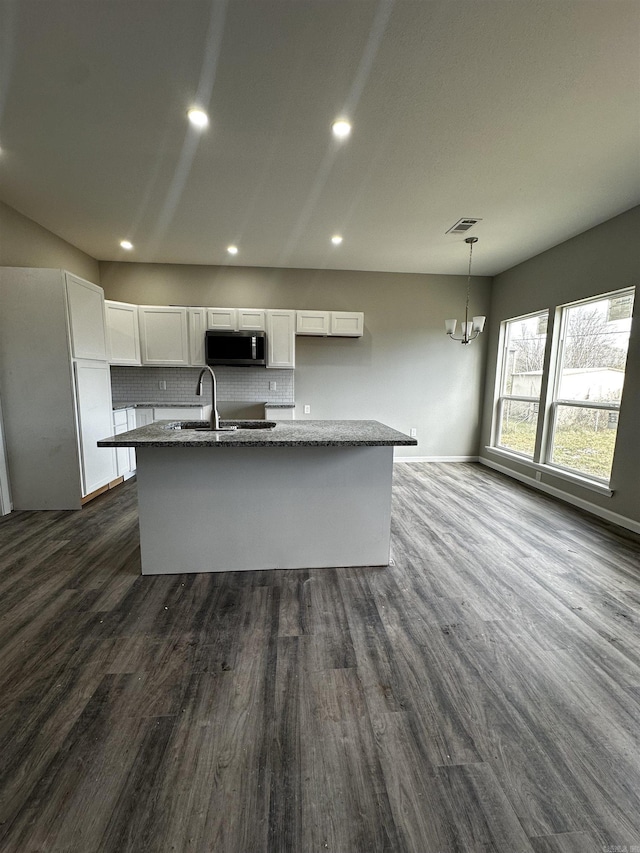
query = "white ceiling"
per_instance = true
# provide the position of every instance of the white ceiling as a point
(523, 113)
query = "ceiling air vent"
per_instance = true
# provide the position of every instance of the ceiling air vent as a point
(462, 225)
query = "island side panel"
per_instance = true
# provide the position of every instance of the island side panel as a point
(244, 508)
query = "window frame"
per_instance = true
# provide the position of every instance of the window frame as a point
(549, 400)
(554, 401)
(500, 398)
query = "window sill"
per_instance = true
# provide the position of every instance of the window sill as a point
(553, 471)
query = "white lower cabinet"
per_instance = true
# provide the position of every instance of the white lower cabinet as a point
(180, 413)
(124, 420)
(278, 414)
(93, 397)
(143, 417)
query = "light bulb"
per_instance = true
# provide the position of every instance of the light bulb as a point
(198, 118)
(341, 128)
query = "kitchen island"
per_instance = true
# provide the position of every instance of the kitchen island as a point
(302, 494)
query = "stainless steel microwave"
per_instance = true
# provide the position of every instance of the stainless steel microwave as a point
(243, 349)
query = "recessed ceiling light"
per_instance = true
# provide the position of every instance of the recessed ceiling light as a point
(233, 250)
(336, 239)
(198, 118)
(341, 128)
(126, 244)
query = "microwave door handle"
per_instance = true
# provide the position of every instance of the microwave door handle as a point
(253, 347)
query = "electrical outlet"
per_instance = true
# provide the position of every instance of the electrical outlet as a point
(538, 475)
(307, 410)
(272, 386)
(413, 432)
(162, 385)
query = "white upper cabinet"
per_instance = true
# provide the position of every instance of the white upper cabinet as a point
(225, 319)
(281, 339)
(123, 333)
(236, 319)
(197, 329)
(85, 305)
(312, 323)
(251, 319)
(349, 324)
(164, 338)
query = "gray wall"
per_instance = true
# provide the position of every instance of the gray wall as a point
(24, 243)
(602, 259)
(404, 371)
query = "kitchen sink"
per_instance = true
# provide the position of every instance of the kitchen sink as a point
(205, 426)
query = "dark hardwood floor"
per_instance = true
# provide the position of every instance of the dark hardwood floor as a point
(481, 694)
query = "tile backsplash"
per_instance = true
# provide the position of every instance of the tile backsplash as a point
(246, 384)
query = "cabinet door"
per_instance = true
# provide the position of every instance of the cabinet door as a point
(123, 460)
(178, 413)
(279, 414)
(197, 329)
(143, 417)
(131, 424)
(85, 307)
(251, 319)
(312, 323)
(281, 340)
(164, 337)
(123, 334)
(222, 318)
(93, 403)
(348, 324)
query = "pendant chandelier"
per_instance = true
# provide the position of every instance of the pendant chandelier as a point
(470, 328)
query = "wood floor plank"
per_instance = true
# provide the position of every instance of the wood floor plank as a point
(569, 842)
(479, 695)
(412, 787)
(479, 811)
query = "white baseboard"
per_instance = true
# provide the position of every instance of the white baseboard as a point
(594, 509)
(435, 458)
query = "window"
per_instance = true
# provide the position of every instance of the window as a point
(592, 353)
(582, 392)
(523, 345)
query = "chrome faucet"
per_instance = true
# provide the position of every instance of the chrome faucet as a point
(215, 417)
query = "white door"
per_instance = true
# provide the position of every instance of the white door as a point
(95, 421)
(5, 496)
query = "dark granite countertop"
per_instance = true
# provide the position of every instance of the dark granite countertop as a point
(284, 434)
(154, 404)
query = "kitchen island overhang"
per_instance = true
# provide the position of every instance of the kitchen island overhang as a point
(305, 494)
